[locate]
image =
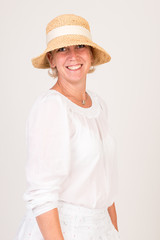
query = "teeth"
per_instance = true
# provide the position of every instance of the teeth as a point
(74, 67)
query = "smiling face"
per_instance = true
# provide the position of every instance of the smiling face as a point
(72, 63)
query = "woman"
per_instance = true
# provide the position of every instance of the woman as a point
(71, 165)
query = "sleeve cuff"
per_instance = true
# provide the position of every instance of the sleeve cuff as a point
(44, 208)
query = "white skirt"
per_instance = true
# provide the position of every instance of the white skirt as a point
(77, 223)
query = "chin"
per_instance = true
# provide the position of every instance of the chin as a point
(75, 79)
(76, 76)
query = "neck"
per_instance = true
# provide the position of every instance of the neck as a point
(77, 90)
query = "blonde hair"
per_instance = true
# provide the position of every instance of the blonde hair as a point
(52, 72)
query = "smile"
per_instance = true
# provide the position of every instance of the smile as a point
(75, 67)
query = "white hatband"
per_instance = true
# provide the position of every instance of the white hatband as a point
(68, 29)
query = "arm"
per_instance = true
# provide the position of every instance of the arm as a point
(48, 162)
(49, 225)
(113, 215)
(112, 165)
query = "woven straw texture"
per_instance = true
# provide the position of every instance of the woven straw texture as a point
(100, 55)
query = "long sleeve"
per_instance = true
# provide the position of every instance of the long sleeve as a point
(48, 153)
(111, 144)
(111, 161)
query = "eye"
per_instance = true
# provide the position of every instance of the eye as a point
(63, 49)
(80, 46)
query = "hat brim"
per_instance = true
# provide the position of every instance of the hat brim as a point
(99, 54)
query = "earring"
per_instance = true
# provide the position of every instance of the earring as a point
(53, 72)
(91, 69)
(50, 71)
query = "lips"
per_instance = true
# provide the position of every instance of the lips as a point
(74, 67)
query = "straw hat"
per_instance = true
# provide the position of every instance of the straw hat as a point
(67, 30)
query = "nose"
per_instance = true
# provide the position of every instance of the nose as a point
(72, 53)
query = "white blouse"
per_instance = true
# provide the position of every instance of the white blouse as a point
(71, 154)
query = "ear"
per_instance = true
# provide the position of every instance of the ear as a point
(92, 59)
(49, 56)
(92, 56)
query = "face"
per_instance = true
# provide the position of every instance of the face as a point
(73, 62)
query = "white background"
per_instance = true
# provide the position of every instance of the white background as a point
(129, 83)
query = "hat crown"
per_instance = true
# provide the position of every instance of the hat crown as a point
(67, 19)
(67, 30)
